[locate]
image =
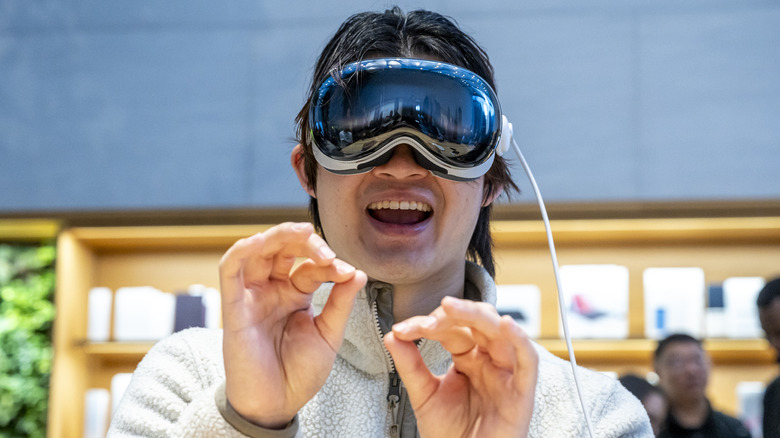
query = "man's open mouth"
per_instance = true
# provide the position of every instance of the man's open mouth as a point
(400, 212)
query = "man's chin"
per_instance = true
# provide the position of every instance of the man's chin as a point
(395, 269)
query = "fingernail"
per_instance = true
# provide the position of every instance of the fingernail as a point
(326, 252)
(428, 322)
(400, 327)
(453, 302)
(343, 267)
(300, 226)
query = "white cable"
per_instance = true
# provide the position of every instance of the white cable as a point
(554, 256)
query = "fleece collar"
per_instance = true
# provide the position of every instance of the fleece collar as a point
(363, 347)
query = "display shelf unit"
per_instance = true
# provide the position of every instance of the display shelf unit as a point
(172, 257)
(723, 247)
(620, 351)
(169, 258)
(640, 351)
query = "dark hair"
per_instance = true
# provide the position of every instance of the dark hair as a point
(770, 291)
(418, 33)
(672, 339)
(638, 386)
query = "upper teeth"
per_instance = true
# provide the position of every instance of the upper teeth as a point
(400, 205)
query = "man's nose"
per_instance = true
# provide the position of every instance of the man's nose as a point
(402, 164)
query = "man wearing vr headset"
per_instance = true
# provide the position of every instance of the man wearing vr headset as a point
(387, 326)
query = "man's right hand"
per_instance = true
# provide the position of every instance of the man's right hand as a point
(277, 353)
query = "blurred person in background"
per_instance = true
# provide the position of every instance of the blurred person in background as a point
(683, 369)
(769, 313)
(651, 396)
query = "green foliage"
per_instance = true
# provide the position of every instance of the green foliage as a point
(26, 316)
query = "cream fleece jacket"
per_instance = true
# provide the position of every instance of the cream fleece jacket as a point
(178, 388)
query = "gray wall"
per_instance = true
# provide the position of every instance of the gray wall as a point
(182, 104)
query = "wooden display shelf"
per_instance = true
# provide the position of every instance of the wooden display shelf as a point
(130, 351)
(149, 239)
(722, 351)
(681, 231)
(640, 351)
(170, 258)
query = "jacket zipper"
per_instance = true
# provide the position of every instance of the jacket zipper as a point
(394, 390)
(393, 399)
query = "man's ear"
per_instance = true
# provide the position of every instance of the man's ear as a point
(299, 164)
(495, 193)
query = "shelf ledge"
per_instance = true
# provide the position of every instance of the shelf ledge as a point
(640, 351)
(587, 351)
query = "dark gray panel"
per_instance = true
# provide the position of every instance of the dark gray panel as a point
(129, 120)
(55, 15)
(566, 83)
(282, 61)
(190, 104)
(710, 105)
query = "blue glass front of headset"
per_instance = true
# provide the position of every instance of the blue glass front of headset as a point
(453, 108)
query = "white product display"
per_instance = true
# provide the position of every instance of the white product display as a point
(212, 302)
(674, 301)
(523, 303)
(96, 403)
(143, 314)
(119, 383)
(99, 314)
(739, 302)
(750, 396)
(596, 300)
(715, 320)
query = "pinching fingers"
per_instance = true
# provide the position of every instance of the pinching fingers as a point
(481, 317)
(487, 329)
(284, 240)
(263, 262)
(308, 276)
(459, 325)
(455, 339)
(292, 240)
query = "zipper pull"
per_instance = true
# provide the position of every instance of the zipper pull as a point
(393, 397)
(394, 393)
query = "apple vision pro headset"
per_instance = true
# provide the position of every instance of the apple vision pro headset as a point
(448, 115)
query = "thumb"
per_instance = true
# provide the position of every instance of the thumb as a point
(419, 381)
(332, 322)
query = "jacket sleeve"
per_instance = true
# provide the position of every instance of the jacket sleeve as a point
(613, 411)
(620, 415)
(175, 392)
